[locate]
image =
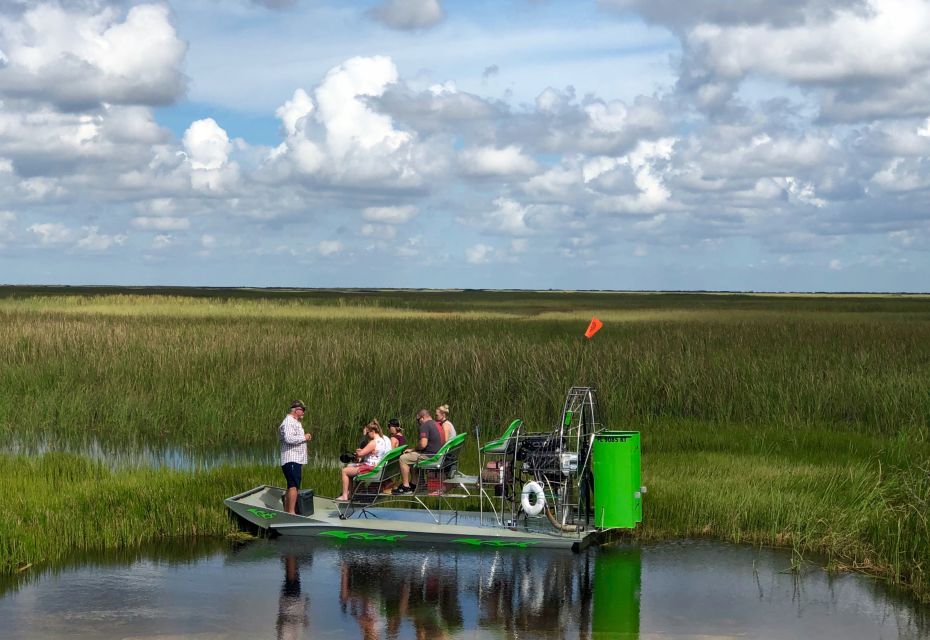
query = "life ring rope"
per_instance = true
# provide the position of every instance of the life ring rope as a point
(535, 507)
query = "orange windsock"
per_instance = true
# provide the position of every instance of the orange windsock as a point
(593, 328)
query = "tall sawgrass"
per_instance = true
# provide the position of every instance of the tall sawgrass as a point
(216, 374)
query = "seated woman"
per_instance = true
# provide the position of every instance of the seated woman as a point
(442, 419)
(369, 455)
(396, 433)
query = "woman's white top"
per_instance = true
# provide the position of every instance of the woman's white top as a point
(382, 446)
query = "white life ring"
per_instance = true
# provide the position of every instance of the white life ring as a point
(532, 508)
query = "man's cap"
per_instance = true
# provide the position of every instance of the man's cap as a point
(297, 404)
(393, 422)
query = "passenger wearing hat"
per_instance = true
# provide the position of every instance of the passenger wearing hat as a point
(396, 433)
(293, 452)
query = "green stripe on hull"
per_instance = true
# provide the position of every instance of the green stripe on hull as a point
(264, 515)
(477, 542)
(361, 535)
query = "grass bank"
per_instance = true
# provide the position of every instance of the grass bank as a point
(58, 504)
(798, 421)
(861, 505)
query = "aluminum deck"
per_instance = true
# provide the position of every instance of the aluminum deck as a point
(261, 507)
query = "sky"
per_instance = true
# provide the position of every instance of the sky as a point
(762, 145)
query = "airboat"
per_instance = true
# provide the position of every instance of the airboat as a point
(569, 487)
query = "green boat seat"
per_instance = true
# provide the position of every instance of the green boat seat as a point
(446, 458)
(367, 487)
(384, 470)
(500, 445)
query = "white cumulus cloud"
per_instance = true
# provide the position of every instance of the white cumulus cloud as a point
(161, 223)
(207, 144)
(95, 241)
(390, 215)
(208, 147)
(327, 248)
(162, 241)
(379, 231)
(293, 112)
(52, 233)
(338, 137)
(75, 59)
(491, 161)
(508, 217)
(479, 254)
(863, 63)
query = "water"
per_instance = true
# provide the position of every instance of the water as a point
(177, 458)
(305, 589)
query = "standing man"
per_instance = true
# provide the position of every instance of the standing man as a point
(429, 442)
(293, 452)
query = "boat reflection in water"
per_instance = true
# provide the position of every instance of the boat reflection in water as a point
(442, 593)
(301, 589)
(292, 605)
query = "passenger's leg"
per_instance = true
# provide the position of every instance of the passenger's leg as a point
(408, 459)
(348, 472)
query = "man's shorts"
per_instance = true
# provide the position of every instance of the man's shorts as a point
(292, 472)
(410, 458)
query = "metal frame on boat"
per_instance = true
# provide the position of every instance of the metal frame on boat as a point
(533, 490)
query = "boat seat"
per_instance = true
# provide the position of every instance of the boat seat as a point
(387, 469)
(446, 459)
(500, 445)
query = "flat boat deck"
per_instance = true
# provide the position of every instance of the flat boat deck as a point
(261, 507)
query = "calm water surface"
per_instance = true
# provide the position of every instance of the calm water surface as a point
(286, 589)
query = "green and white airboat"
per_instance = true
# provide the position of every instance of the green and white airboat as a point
(566, 488)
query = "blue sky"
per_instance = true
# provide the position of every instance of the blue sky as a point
(611, 144)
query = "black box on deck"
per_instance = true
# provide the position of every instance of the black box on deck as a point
(305, 502)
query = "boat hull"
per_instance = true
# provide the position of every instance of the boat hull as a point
(261, 507)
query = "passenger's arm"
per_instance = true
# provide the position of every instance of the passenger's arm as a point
(364, 451)
(423, 442)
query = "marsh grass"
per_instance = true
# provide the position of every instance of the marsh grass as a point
(859, 515)
(215, 374)
(798, 421)
(58, 504)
